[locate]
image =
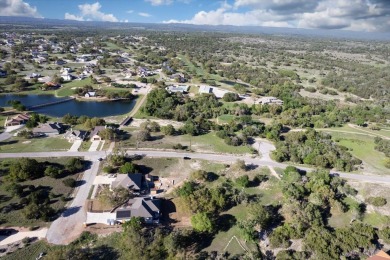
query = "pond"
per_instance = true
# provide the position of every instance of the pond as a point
(73, 107)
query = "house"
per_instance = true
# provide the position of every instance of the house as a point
(131, 181)
(381, 255)
(144, 72)
(148, 209)
(94, 136)
(178, 78)
(218, 92)
(49, 129)
(75, 135)
(269, 101)
(205, 90)
(34, 75)
(20, 119)
(67, 77)
(180, 88)
(90, 94)
(66, 70)
(51, 85)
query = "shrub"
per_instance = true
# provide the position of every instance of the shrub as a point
(199, 175)
(69, 182)
(108, 169)
(243, 181)
(376, 201)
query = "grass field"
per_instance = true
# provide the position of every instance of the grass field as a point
(30, 252)
(383, 133)
(66, 89)
(207, 143)
(225, 119)
(45, 144)
(362, 147)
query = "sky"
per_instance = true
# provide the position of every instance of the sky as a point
(355, 15)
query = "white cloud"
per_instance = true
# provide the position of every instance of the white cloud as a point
(159, 2)
(69, 16)
(91, 12)
(18, 8)
(357, 15)
(144, 14)
(225, 16)
(130, 11)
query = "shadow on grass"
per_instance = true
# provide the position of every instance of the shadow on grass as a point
(168, 208)
(225, 222)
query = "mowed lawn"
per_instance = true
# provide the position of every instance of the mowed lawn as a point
(44, 144)
(363, 147)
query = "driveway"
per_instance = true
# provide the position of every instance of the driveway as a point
(20, 235)
(70, 224)
(264, 148)
(94, 146)
(9, 129)
(4, 136)
(75, 146)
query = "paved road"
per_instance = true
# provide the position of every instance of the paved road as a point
(70, 225)
(22, 234)
(265, 161)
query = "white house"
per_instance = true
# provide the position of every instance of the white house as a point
(269, 101)
(218, 92)
(90, 94)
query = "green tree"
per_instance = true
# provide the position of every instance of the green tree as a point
(128, 167)
(25, 169)
(202, 222)
(168, 130)
(243, 181)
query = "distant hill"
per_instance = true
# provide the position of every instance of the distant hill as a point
(55, 23)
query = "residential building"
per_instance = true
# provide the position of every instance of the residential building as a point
(49, 129)
(75, 135)
(90, 94)
(132, 181)
(269, 101)
(94, 136)
(218, 92)
(179, 88)
(20, 119)
(148, 209)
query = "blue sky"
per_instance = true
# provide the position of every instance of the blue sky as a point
(357, 15)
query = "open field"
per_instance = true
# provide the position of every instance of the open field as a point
(44, 144)
(362, 147)
(202, 143)
(383, 133)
